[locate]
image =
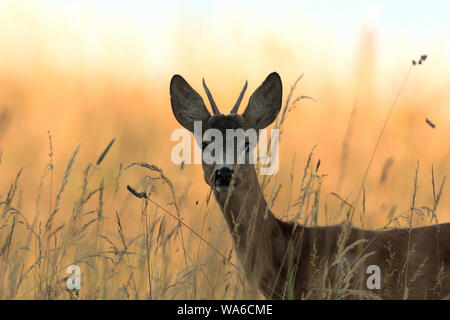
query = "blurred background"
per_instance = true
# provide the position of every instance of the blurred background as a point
(91, 71)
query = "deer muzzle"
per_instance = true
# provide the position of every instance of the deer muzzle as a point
(222, 178)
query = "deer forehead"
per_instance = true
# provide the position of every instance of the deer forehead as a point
(223, 122)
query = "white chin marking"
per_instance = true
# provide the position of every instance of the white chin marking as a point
(224, 188)
(221, 188)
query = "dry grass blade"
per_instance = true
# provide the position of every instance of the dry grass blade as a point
(11, 194)
(380, 136)
(65, 180)
(102, 156)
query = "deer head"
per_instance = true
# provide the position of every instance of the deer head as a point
(263, 108)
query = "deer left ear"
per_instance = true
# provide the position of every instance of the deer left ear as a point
(265, 103)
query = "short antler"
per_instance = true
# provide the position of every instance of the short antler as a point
(210, 98)
(238, 102)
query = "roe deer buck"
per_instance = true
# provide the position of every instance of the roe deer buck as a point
(289, 260)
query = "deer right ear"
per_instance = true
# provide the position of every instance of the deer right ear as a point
(187, 104)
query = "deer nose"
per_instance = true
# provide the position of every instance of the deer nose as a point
(223, 176)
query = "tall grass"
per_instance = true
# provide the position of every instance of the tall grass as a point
(115, 264)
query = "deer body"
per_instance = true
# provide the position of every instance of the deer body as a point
(288, 260)
(261, 241)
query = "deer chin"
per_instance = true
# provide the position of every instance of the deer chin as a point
(221, 188)
(225, 188)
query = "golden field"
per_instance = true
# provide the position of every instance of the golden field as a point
(69, 86)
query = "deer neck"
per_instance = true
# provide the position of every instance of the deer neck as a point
(244, 207)
(257, 234)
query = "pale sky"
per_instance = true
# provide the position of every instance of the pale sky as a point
(415, 22)
(149, 31)
(392, 17)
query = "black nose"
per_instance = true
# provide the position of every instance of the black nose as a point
(223, 176)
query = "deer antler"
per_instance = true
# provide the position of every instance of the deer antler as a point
(238, 102)
(210, 98)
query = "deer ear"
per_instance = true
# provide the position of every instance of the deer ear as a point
(187, 104)
(265, 103)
